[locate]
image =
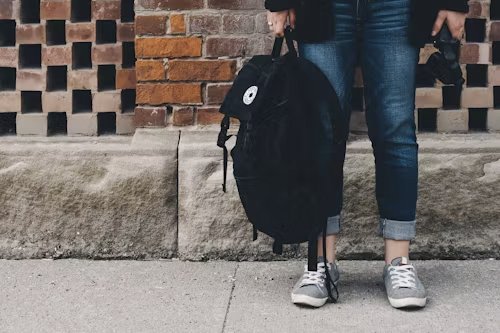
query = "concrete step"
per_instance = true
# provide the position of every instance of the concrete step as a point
(155, 196)
(110, 197)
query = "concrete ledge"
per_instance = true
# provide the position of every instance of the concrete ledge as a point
(155, 196)
(212, 224)
(459, 210)
(111, 197)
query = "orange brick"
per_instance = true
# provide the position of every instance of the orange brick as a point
(217, 92)
(56, 55)
(125, 79)
(6, 9)
(469, 53)
(169, 47)
(209, 116)
(55, 10)
(106, 10)
(185, 4)
(107, 54)
(126, 32)
(193, 70)
(183, 116)
(429, 98)
(177, 24)
(83, 79)
(150, 117)
(30, 34)
(155, 25)
(80, 32)
(31, 79)
(8, 56)
(150, 70)
(106, 101)
(175, 93)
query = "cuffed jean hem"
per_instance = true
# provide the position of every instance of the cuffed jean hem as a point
(397, 230)
(333, 226)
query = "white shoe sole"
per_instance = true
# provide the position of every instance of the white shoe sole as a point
(308, 300)
(408, 302)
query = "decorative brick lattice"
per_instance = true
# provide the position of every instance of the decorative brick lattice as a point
(189, 52)
(72, 63)
(444, 109)
(67, 67)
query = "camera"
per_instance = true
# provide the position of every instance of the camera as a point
(444, 64)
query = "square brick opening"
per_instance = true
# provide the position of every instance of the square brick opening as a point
(427, 120)
(8, 123)
(81, 11)
(106, 123)
(127, 11)
(478, 120)
(424, 78)
(7, 78)
(57, 123)
(477, 75)
(495, 10)
(128, 55)
(82, 55)
(496, 97)
(105, 32)
(451, 98)
(495, 50)
(31, 101)
(30, 56)
(475, 30)
(357, 99)
(82, 101)
(128, 100)
(57, 78)
(106, 77)
(56, 32)
(7, 33)
(30, 11)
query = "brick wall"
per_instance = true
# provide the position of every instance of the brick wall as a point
(67, 67)
(189, 51)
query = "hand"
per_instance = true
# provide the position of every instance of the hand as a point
(278, 20)
(455, 21)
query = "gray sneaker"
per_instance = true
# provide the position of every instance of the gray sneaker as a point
(403, 286)
(311, 289)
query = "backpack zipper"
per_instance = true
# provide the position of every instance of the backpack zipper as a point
(252, 124)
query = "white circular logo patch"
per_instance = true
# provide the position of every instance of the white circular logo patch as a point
(250, 95)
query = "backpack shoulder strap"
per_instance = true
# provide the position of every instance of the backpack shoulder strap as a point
(312, 253)
(221, 142)
(277, 247)
(312, 262)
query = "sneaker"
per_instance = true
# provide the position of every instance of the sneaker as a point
(311, 289)
(402, 284)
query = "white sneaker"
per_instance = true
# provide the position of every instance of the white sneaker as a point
(403, 286)
(311, 289)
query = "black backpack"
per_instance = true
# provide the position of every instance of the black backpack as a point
(283, 159)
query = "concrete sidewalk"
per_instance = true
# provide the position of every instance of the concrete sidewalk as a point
(173, 296)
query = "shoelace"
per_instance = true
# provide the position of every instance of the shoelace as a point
(403, 276)
(314, 277)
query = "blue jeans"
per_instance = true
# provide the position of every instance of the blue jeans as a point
(375, 35)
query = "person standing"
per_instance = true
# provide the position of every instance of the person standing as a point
(383, 37)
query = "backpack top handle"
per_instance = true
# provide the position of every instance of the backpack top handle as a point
(278, 44)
